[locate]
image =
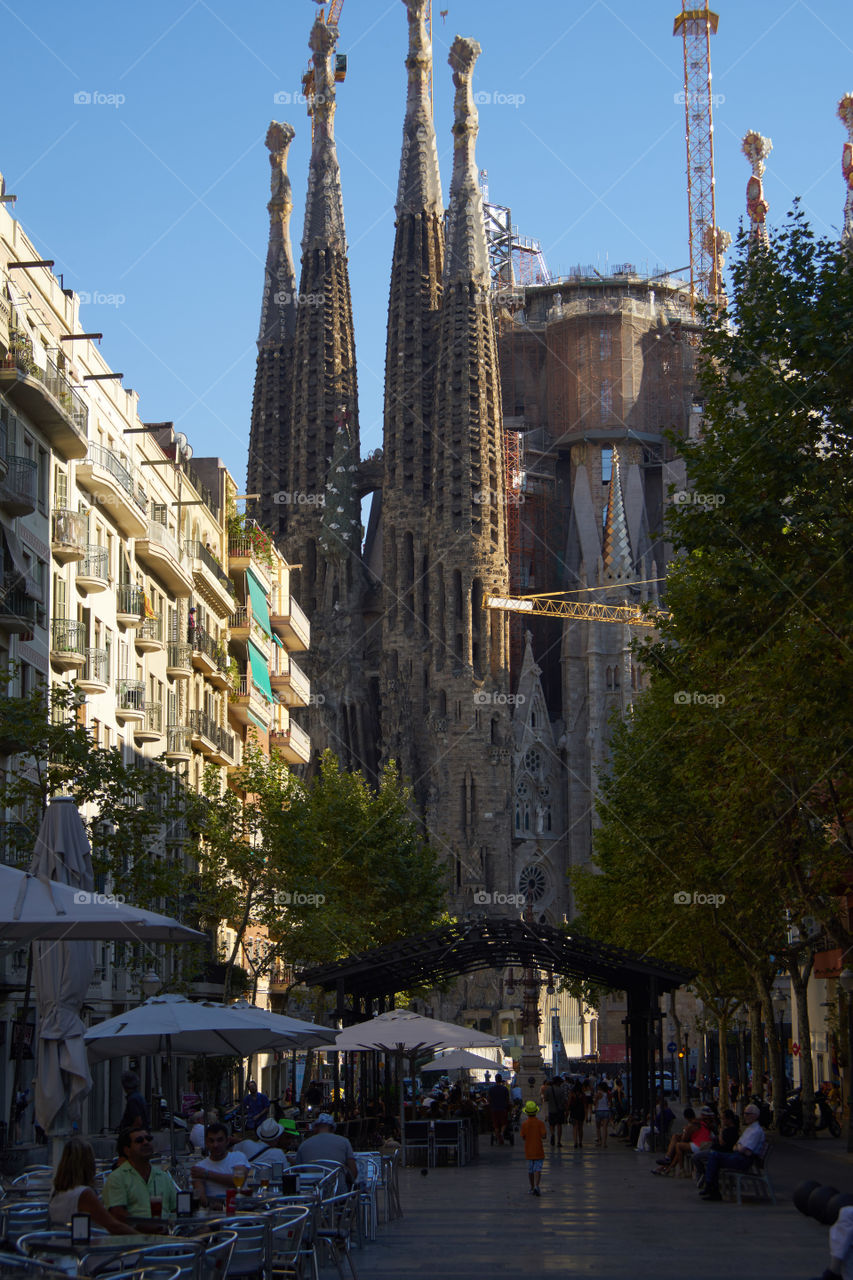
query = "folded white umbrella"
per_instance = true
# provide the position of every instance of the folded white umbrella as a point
(33, 907)
(462, 1060)
(62, 971)
(301, 1035)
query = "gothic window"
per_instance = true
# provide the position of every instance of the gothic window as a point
(532, 760)
(606, 398)
(616, 681)
(604, 343)
(609, 677)
(534, 881)
(533, 719)
(606, 463)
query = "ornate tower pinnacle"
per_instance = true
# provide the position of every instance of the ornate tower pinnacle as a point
(270, 432)
(324, 206)
(616, 555)
(756, 149)
(278, 309)
(466, 257)
(419, 186)
(845, 115)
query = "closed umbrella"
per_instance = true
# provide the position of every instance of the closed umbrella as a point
(62, 971)
(401, 1031)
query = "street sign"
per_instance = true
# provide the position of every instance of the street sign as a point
(795, 1048)
(672, 1047)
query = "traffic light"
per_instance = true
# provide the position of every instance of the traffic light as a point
(681, 1053)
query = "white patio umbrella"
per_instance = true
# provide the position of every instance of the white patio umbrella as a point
(401, 1031)
(35, 908)
(302, 1035)
(462, 1060)
(62, 971)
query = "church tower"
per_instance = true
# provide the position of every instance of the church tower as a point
(413, 317)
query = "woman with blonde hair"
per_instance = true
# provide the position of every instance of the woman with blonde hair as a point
(74, 1190)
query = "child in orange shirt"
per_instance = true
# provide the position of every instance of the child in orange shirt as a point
(532, 1135)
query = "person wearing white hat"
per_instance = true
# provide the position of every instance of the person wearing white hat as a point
(325, 1144)
(267, 1145)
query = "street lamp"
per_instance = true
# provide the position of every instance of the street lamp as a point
(846, 981)
(150, 984)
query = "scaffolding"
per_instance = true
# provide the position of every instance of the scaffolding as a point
(514, 260)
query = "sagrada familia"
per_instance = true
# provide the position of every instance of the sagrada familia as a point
(524, 451)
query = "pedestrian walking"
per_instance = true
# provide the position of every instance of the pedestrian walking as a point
(533, 1136)
(557, 1101)
(577, 1112)
(602, 1114)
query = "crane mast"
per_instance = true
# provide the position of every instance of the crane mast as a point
(696, 26)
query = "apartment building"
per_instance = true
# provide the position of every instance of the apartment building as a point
(127, 574)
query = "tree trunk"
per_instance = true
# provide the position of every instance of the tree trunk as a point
(774, 1046)
(756, 1044)
(679, 1040)
(800, 982)
(306, 1079)
(723, 1033)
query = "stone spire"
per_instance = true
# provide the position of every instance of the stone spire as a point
(845, 115)
(269, 437)
(324, 341)
(756, 149)
(467, 255)
(412, 343)
(616, 555)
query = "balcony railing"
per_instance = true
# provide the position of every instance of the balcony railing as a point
(21, 483)
(108, 460)
(96, 669)
(158, 532)
(16, 844)
(153, 718)
(178, 740)
(151, 630)
(69, 527)
(203, 642)
(240, 618)
(130, 695)
(55, 382)
(130, 599)
(197, 551)
(95, 563)
(179, 655)
(68, 636)
(204, 726)
(15, 605)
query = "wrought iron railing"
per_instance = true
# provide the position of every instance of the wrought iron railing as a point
(95, 563)
(177, 740)
(150, 629)
(69, 527)
(67, 635)
(110, 462)
(197, 551)
(130, 694)
(96, 669)
(130, 599)
(55, 381)
(153, 718)
(179, 655)
(21, 478)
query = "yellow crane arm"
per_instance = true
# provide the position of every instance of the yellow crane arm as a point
(334, 12)
(573, 610)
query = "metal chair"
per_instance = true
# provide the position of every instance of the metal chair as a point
(369, 1183)
(12, 1264)
(288, 1229)
(20, 1218)
(183, 1256)
(339, 1217)
(391, 1185)
(147, 1273)
(218, 1247)
(251, 1255)
(313, 1204)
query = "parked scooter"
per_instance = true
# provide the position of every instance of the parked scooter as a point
(792, 1120)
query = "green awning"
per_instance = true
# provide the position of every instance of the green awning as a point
(260, 608)
(260, 671)
(258, 721)
(278, 642)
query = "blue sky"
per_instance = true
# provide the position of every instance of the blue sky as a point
(158, 197)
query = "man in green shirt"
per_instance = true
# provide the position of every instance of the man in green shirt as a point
(129, 1188)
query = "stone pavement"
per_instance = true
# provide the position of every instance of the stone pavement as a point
(602, 1215)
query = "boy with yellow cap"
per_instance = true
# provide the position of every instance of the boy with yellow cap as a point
(533, 1135)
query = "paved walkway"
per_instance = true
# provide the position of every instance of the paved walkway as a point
(601, 1215)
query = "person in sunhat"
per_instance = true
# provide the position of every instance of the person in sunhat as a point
(533, 1136)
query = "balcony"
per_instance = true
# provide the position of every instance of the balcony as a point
(18, 491)
(203, 729)
(94, 676)
(251, 552)
(16, 844)
(93, 570)
(150, 728)
(179, 660)
(242, 628)
(47, 398)
(291, 626)
(130, 604)
(224, 747)
(68, 535)
(112, 483)
(130, 700)
(67, 644)
(18, 613)
(210, 579)
(293, 743)
(160, 553)
(178, 746)
(210, 658)
(290, 682)
(247, 705)
(149, 636)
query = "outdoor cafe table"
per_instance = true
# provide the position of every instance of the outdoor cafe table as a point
(105, 1247)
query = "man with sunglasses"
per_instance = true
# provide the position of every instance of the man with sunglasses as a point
(130, 1186)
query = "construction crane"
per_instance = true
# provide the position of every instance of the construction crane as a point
(555, 606)
(695, 27)
(330, 18)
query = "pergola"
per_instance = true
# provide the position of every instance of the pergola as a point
(427, 960)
